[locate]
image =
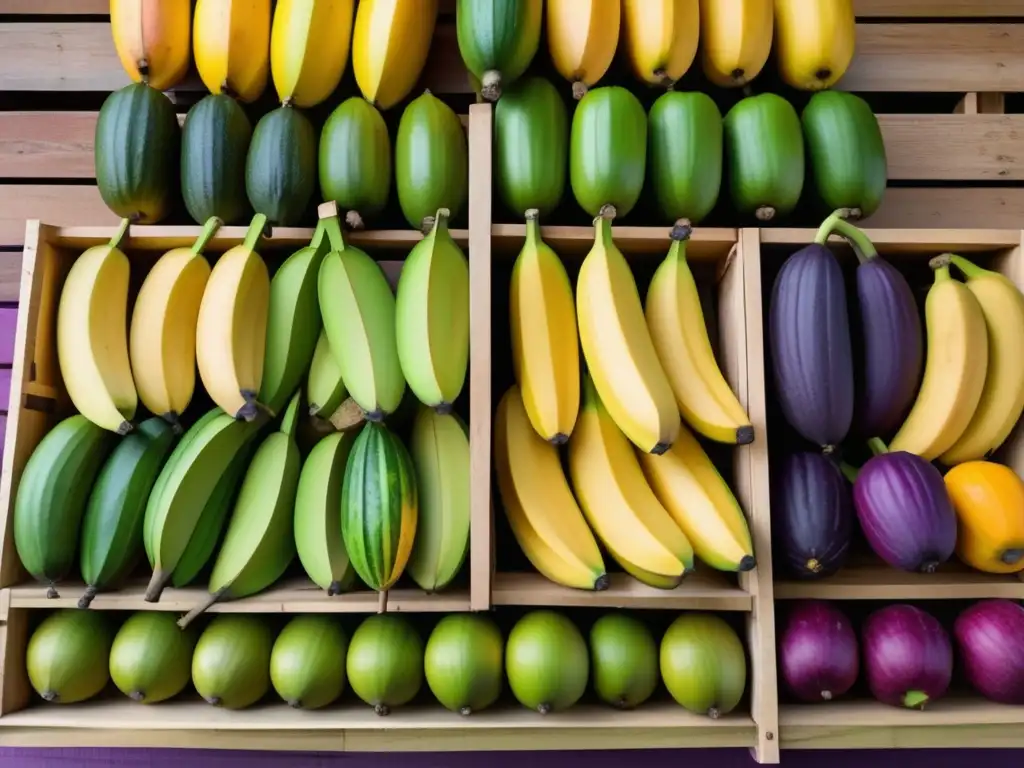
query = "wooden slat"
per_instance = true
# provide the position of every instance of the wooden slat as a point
(63, 206)
(954, 147)
(950, 208)
(56, 7)
(47, 145)
(8, 326)
(949, 9)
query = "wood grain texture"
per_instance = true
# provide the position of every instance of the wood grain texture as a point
(56, 7)
(939, 9)
(47, 145)
(8, 328)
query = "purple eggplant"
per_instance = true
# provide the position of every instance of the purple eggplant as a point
(812, 357)
(812, 515)
(904, 510)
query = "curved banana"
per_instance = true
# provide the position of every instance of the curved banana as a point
(660, 38)
(309, 44)
(153, 40)
(231, 43)
(231, 330)
(325, 389)
(735, 40)
(544, 516)
(92, 338)
(582, 38)
(618, 349)
(1002, 399)
(814, 41)
(680, 337)
(390, 44)
(162, 338)
(954, 369)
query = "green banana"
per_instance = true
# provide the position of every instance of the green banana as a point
(439, 446)
(112, 526)
(259, 543)
(52, 495)
(432, 317)
(172, 514)
(318, 514)
(293, 322)
(358, 309)
(325, 389)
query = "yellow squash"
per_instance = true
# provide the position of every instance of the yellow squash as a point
(989, 503)
(231, 43)
(390, 44)
(660, 38)
(309, 46)
(735, 38)
(152, 39)
(814, 41)
(582, 37)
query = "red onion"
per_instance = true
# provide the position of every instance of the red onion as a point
(907, 656)
(990, 641)
(818, 652)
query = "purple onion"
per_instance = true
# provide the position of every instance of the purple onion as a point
(908, 657)
(818, 652)
(990, 641)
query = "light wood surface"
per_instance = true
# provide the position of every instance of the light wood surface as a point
(938, 8)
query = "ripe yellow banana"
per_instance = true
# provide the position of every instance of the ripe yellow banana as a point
(1002, 399)
(152, 39)
(660, 38)
(954, 369)
(616, 499)
(390, 44)
(702, 504)
(92, 338)
(309, 44)
(814, 41)
(231, 332)
(582, 37)
(544, 516)
(618, 349)
(325, 390)
(545, 343)
(735, 39)
(676, 322)
(162, 339)
(231, 43)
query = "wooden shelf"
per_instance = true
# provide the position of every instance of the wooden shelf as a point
(703, 590)
(909, 241)
(289, 596)
(706, 243)
(353, 727)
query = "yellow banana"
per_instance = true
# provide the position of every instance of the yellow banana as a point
(618, 349)
(152, 39)
(162, 339)
(680, 337)
(954, 369)
(814, 41)
(390, 44)
(702, 504)
(541, 510)
(619, 505)
(1002, 399)
(582, 37)
(231, 43)
(92, 338)
(309, 44)
(735, 39)
(545, 343)
(231, 331)
(660, 38)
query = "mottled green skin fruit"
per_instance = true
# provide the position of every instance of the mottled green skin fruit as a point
(231, 663)
(280, 169)
(685, 155)
(498, 39)
(385, 662)
(214, 145)
(531, 146)
(137, 147)
(307, 664)
(463, 662)
(846, 151)
(703, 664)
(67, 656)
(151, 658)
(764, 149)
(355, 160)
(608, 150)
(624, 659)
(547, 662)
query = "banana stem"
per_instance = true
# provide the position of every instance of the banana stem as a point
(122, 230)
(319, 235)
(877, 446)
(969, 269)
(209, 230)
(256, 228)
(382, 602)
(208, 602)
(156, 585)
(862, 246)
(532, 227)
(440, 223)
(333, 229)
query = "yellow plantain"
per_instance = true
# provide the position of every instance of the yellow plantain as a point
(389, 47)
(735, 39)
(152, 39)
(660, 37)
(582, 37)
(309, 44)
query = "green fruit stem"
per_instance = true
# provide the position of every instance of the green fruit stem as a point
(969, 269)
(877, 446)
(209, 230)
(440, 222)
(940, 265)
(837, 224)
(849, 471)
(122, 230)
(319, 234)
(533, 237)
(915, 699)
(333, 229)
(257, 227)
(209, 601)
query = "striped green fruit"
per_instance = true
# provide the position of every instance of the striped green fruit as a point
(325, 388)
(498, 39)
(52, 495)
(378, 507)
(112, 526)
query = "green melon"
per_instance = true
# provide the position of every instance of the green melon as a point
(280, 168)
(214, 145)
(547, 662)
(355, 160)
(307, 664)
(151, 659)
(624, 659)
(231, 663)
(385, 662)
(463, 662)
(703, 664)
(67, 656)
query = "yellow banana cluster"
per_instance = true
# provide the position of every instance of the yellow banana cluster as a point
(309, 44)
